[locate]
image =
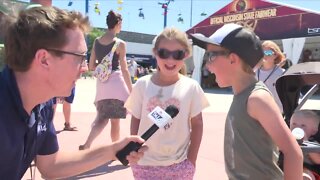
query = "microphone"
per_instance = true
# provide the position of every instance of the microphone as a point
(160, 119)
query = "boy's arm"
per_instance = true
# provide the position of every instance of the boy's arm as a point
(263, 108)
(195, 138)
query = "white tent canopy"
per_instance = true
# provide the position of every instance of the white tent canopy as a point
(293, 48)
(198, 54)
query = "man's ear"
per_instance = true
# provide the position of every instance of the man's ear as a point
(41, 57)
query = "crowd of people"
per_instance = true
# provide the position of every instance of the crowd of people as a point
(54, 58)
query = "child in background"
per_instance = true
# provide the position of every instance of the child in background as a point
(173, 151)
(254, 126)
(308, 121)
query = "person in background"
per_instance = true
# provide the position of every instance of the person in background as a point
(308, 121)
(271, 69)
(66, 108)
(173, 151)
(54, 49)
(254, 128)
(114, 91)
(306, 56)
(132, 67)
(205, 76)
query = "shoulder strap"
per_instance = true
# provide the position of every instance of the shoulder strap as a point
(115, 46)
(109, 56)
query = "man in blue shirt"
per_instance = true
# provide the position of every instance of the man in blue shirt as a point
(44, 52)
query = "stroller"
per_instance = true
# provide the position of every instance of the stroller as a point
(289, 87)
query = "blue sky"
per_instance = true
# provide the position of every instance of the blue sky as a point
(153, 12)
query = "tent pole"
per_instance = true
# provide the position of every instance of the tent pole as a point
(191, 12)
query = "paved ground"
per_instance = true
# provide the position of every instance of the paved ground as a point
(210, 164)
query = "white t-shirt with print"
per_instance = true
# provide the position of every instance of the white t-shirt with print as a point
(166, 146)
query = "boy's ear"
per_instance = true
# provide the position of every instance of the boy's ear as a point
(234, 58)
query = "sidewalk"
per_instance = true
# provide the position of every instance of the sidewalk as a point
(210, 163)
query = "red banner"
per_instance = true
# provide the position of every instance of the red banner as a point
(268, 20)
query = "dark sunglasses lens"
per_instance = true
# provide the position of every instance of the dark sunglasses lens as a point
(163, 53)
(178, 54)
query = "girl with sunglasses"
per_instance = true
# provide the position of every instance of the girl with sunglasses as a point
(270, 69)
(172, 151)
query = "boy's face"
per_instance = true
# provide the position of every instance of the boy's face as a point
(306, 123)
(219, 64)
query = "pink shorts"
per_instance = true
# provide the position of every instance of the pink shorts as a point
(182, 171)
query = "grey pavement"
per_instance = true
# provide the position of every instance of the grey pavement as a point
(210, 163)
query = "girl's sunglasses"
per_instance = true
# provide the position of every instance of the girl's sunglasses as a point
(268, 52)
(176, 55)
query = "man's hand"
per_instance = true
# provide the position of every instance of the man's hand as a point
(134, 156)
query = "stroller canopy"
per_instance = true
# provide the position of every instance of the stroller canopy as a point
(290, 83)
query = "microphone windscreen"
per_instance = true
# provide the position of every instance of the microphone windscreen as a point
(172, 110)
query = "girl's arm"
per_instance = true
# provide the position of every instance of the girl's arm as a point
(123, 65)
(195, 138)
(263, 108)
(92, 61)
(134, 127)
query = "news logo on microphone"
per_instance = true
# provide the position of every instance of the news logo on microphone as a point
(159, 117)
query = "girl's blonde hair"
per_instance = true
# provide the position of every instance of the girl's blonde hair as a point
(183, 70)
(172, 33)
(272, 45)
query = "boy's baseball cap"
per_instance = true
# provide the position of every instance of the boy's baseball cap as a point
(235, 38)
